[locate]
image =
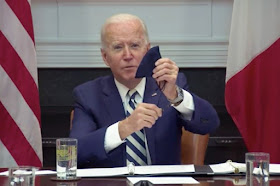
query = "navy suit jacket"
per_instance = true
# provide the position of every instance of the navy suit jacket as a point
(98, 105)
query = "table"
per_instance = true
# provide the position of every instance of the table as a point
(204, 180)
(121, 181)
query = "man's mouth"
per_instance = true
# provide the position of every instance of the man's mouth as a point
(130, 67)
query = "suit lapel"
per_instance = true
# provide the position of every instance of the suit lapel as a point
(112, 100)
(152, 95)
(152, 92)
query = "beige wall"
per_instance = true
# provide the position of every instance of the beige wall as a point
(193, 33)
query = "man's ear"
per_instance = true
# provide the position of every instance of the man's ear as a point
(104, 56)
(148, 46)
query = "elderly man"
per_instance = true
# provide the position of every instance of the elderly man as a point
(120, 119)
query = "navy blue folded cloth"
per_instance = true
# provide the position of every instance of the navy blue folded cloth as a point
(147, 64)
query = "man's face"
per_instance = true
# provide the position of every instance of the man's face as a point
(125, 49)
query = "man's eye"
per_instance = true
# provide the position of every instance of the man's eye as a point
(117, 47)
(135, 45)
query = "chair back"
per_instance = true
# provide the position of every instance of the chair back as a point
(193, 148)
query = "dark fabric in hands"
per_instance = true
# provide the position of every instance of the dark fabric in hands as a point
(147, 64)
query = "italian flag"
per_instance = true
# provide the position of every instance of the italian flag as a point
(252, 93)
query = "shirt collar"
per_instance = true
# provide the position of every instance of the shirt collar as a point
(123, 89)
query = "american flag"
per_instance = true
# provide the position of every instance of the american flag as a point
(20, 123)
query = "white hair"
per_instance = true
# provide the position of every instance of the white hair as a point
(119, 18)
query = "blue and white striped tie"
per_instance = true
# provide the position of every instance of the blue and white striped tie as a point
(135, 143)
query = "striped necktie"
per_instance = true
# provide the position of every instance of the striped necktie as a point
(135, 143)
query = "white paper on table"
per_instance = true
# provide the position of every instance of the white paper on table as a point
(274, 168)
(164, 169)
(39, 172)
(5, 173)
(228, 167)
(141, 170)
(102, 172)
(164, 180)
(44, 172)
(138, 170)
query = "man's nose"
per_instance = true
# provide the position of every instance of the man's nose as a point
(127, 52)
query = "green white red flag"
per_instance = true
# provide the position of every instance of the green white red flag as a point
(252, 93)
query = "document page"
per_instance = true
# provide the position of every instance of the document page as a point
(274, 169)
(102, 172)
(164, 169)
(228, 167)
(38, 172)
(136, 170)
(164, 180)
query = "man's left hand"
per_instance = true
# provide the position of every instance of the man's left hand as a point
(165, 73)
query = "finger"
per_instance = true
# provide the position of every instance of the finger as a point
(148, 114)
(165, 72)
(141, 120)
(149, 121)
(167, 78)
(158, 111)
(165, 69)
(151, 109)
(164, 65)
(164, 61)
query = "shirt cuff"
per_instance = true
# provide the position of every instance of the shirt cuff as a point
(186, 108)
(112, 137)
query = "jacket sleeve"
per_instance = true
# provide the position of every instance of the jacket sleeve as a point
(205, 118)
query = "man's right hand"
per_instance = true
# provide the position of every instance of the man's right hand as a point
(144, 115)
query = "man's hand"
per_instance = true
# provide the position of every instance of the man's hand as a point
(144, 115)
(165, 73)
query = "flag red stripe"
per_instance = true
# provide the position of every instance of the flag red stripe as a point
(22, 10)
(15, 141)
(252, 98)
(19, 75)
